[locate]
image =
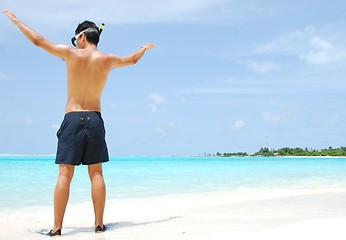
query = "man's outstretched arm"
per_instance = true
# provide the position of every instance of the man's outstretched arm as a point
(131, 59)
(61, 51)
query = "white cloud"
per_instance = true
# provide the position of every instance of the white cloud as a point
(152, 108)
(154, 101)
(273, 118)
(262, 67)
(334, 119)
(156, 98)
(28, 121)
(113, 106)
(160, 131)
(287, 44)
(163, 127)
(220, 90)
(238, 125)
(64, 12)
(308, 45)
(171, 124)
(55, 126)
(4, 76)
(322, 52)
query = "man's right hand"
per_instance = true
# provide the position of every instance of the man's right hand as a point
(11, 16)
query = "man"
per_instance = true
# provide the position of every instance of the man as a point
(81, 137)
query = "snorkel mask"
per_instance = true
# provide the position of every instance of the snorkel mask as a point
(99, 31)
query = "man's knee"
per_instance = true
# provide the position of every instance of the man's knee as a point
(66, 171)
(95, 170)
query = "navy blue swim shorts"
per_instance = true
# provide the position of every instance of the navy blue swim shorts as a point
(81, 139)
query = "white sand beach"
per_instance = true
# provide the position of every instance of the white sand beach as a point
(242, 214)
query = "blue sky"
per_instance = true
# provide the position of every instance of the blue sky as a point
(227, 76)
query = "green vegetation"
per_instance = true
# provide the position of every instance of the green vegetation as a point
(283, 152)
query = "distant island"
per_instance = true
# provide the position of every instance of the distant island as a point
(284, 152)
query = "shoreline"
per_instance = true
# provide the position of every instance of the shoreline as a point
(312, 156)
(170, 156)
(242, 214)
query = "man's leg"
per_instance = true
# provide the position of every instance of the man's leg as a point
(98, 192)
(61, 195)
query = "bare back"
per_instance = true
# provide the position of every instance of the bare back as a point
(87, 72)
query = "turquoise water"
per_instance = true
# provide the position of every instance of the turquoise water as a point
(30, 180)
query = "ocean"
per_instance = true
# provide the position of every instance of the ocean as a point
(27, 181)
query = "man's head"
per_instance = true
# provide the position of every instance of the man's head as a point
(91, 31)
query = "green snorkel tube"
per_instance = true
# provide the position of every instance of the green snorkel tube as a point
(101, 28)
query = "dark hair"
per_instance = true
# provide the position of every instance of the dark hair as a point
(91, 36)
